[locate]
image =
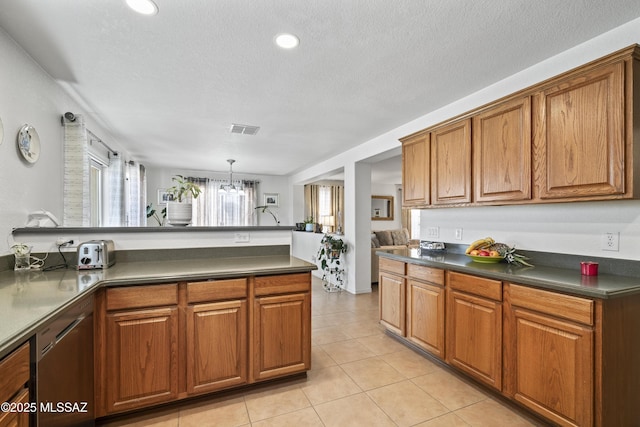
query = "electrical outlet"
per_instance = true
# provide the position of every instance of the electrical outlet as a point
(433, 232)
(241, 237)
(458, 234)
(66, 242)
(610, 241)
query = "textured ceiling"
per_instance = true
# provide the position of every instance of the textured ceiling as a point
(168, 87)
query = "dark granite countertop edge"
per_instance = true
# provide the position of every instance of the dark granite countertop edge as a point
(552, 278)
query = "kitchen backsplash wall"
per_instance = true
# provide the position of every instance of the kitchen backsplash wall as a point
(568, 228)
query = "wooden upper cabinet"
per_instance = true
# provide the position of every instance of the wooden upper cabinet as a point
(451, 163)
(580, 135)
(502, 152)
(565, 139)
(415, 170)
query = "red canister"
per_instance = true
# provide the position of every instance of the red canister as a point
(589, 268)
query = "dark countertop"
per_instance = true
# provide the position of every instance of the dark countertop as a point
(565, 280)
(29, 299)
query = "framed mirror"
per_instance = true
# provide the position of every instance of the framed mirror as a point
(382, 208)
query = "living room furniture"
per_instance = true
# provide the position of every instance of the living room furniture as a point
(392, 241)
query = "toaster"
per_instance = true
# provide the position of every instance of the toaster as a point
(96, 254)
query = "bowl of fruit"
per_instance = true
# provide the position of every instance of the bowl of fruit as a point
(485, 251)
(489, 251)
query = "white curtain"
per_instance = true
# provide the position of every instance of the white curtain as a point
(115, 190)
(217, 208)
(76, 198)
(135, 195)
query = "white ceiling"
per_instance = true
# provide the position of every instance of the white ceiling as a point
(169, 87)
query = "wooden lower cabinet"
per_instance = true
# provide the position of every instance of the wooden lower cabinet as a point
(572, 360)
(216, 334)
(281, 335)
(426, 309)
(216, 345)
(160, 343)
(141, 358)
(549, 364)
(391, 294)
(474, 327)
(14, 380)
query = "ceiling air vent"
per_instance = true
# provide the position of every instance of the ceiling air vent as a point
(244, 129)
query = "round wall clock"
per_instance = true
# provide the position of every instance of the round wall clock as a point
(29, 143)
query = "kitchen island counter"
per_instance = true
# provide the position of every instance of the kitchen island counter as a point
(29, 299)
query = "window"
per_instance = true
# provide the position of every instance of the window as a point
(325, 204)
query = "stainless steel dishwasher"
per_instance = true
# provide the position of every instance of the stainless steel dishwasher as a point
(64, 368)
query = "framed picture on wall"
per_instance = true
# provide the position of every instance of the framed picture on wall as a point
(271, 199)
(164, 196)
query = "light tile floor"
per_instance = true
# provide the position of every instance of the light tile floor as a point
(359, 377)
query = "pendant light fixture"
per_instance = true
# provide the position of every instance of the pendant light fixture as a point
(230, 187)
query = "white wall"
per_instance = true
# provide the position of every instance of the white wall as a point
(30, 96)
(571, 228)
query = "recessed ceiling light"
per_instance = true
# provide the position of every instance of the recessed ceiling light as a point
(144, 7)
(287, 41)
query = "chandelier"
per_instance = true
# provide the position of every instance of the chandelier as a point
(230, 187)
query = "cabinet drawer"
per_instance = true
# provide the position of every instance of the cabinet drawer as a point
(392, 266)
(215, 290)
(282, 284)
(474, 285)
(14, 372)
(427, 274)
(578, 309)
(142, 296)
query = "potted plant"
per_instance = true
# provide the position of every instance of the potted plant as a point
(328, 256)
(309, 224)
(151, 212)
(179, 210)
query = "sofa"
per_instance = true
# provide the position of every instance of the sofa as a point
(395, 241)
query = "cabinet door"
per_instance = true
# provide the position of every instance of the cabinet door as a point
(415, 170)
(451, 164)
(216, 345)
(425, 316)
(502, 152)
(17, 419)
(391, 291)
(281, 335)
(553, 367)
(580, 142)
(474, 337)
(141, 358)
